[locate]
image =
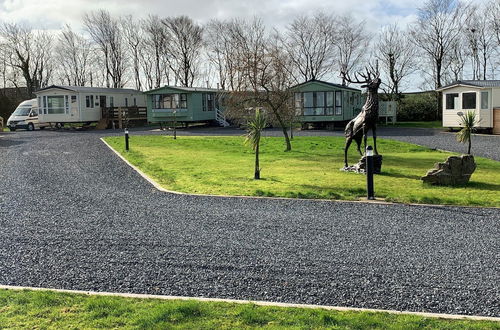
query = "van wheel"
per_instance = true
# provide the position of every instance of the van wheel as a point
(31, 127)
(12, 129)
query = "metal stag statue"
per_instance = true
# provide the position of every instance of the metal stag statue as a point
(366, 120)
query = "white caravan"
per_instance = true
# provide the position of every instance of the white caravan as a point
(76, 104)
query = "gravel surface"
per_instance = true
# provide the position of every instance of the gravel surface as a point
(74, 216)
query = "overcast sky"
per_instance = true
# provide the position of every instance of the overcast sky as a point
(53, 14)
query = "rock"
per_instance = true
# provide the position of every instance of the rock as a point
(456, 170)
(360, 167)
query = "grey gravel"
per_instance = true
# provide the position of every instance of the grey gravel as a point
(74, 216)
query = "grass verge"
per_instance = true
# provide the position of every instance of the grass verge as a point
(54, 310)
(224, 166)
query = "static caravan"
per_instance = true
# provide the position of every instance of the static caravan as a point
(324, 104)
(184, 105)
(73, 104)
(480, 96)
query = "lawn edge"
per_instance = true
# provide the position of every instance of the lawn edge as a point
(256, 302)
(376, 201)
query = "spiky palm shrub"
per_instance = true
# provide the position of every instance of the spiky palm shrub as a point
(254, 130)
(467, 122)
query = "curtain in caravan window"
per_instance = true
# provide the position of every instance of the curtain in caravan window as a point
(55, 104)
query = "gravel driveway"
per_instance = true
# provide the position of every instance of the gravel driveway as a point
(74, 216)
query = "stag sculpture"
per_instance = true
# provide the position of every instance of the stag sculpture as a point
(366, 120)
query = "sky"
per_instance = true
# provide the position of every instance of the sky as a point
(54, 14)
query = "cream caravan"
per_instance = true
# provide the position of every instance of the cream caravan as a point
(74, 104)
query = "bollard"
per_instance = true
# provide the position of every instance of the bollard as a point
(126, 139)
(369, 172)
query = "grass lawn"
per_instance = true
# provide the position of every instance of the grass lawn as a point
(224, 166)
(420, 124)
(44, 309)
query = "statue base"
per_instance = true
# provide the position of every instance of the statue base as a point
(360, 167)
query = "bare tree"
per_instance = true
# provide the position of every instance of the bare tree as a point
(30, 53)
(265, 69)
(217, 39)
(396, 55)
(481, 39)
(154, 57)
(457, 60)
(134, 40)
(185, 42)
(493, 15)
(74, 56)
(310, 43)
(436, 31)
(352, 44)
(107, 34)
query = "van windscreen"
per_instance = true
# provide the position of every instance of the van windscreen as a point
(22, 111)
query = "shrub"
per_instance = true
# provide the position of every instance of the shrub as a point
(418, 107)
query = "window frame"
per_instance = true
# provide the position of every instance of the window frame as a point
(446, 100)
(482, 98)
(338, 108)
(464, 100)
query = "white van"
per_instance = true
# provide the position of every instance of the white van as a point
(25, 117)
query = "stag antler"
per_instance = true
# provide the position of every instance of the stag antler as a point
(371, 74)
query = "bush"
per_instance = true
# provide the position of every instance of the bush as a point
(418, 107)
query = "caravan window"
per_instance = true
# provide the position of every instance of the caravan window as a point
(338, 103)
(208, 103)
(170, 101)
(451, 100)
(89, 101)
(55, 104)
(469, 100)
(484, 100)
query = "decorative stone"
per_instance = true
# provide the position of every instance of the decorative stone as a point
(456, 170)
(360, 167)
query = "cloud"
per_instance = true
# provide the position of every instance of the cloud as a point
(51, 14)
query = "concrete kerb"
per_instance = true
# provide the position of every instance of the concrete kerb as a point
(376, 201)
(259, 303)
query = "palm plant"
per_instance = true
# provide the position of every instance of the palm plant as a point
(467, 122)
(254, 130)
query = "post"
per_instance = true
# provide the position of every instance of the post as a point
(175, 124)
(120, 117)
(126, 139)
(369, 173)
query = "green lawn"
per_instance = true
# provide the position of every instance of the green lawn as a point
(52, 310)
(224, 166)
(420, 124)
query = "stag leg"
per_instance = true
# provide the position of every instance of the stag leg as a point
(375, 140)
(358, 142)
(365, 131)
(348, 142)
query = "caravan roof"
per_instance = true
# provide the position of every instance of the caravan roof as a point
(83, 89)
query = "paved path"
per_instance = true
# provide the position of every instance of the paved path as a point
(74, 216)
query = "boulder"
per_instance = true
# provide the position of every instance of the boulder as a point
(360, 167)
(456, 170)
